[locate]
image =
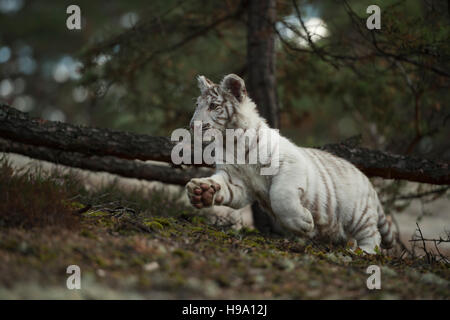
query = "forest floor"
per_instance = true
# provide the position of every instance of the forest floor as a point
(130, 245)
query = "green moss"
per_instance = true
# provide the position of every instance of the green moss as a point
(98, 213)
(217, 234)
(74, 205)
(45, 254)
(250, 243)
(138, 261)
(196, 258)
(194, 230)
(154, 225)
(198, 220)
(182, 253)
(177, 279)
(105, 222)
(249, 231)
(101, 262)
(9, 244)
(88, 234)
(166, 222)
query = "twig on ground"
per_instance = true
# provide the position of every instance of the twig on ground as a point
(430, 256)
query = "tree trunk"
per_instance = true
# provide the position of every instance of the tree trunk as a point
(261, 82)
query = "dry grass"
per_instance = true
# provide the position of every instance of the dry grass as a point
(144, 244)
(29, 199)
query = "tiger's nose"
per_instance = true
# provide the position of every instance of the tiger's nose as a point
(196, 124)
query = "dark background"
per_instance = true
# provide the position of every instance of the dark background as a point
(133, 66)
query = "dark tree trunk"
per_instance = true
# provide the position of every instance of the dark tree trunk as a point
(17, 126)
(436, 8)
(261, 82)
(125, 168)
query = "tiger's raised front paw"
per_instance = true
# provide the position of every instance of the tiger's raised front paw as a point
(203, 193)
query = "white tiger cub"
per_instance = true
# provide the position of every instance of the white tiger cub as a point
(313, 194)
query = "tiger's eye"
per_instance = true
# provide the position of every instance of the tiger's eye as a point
(213, 106)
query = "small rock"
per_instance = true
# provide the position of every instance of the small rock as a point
(259, 279)
(101, 273)
(211, 288)
(431, 278)
(389, 296)
(338, 258)
(346, 259)
(23, 247)
(193, 283)
(285, 264)
(307, 259)
(412, 273)
(332, 257)
(300, 241)
(385, 270)
(314, 283)
(162, 249)
(152, 266)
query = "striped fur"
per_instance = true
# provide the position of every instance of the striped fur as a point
(314, 193)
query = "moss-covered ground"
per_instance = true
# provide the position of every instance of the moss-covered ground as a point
(136, 245)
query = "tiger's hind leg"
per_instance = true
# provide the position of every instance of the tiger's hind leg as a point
(367, 236)
(286, 205)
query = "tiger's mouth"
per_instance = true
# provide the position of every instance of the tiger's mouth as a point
(205, 126)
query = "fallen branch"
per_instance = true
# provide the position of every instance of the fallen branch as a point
(125, 168)
(436, 192)
(390, 166)
(18, 126)
(94, 142)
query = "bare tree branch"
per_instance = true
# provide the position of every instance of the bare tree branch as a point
(368, 36)
(437, 192)
(390, 166)
(125, 168)
(430, 256)
(17, 126)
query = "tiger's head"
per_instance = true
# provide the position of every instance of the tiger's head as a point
(219, 105)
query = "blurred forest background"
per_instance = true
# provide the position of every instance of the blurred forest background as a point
(133, 64)
(315, 70)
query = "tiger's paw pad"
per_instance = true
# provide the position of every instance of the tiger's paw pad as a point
(203, 193)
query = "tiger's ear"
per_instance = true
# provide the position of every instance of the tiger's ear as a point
(234, 85)
(204, 83)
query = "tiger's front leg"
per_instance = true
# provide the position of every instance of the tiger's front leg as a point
(202, 192)
(219, 189)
